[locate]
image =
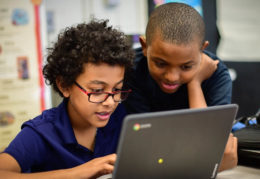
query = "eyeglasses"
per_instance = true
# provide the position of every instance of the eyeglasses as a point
(100, 97)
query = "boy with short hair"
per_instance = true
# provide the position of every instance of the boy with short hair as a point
(172, 70)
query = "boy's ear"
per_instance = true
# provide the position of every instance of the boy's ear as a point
(143, 44)
(64, 91)
(205, 45)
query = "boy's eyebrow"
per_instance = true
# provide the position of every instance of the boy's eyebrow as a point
(103, 83)
(158, 59)
(161, 60)
(189, 62)
(121, 81)
(97, 82)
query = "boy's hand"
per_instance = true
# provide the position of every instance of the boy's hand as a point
(97, 167)
(230, 155)
(207, 67)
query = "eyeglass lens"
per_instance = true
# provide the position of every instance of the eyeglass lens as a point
(100, 97)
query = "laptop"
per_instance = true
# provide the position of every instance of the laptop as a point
(187, 143)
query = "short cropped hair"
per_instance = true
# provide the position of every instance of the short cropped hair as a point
(95, 42)
(177, 23)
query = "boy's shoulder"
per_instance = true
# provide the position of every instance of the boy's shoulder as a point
(48, 119)
(139, 59)
(211, 55)
(51, 125)
(222, 68)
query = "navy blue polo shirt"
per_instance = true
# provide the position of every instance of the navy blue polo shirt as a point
(147, 96)
(47, 142)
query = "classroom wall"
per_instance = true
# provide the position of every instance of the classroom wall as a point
(239, 26)
(238, 21)
(128, 16)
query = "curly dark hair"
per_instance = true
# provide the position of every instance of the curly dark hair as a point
(95, 42)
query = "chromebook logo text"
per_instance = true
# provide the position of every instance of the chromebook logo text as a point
(138, 126)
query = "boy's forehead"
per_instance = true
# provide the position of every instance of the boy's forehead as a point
(158, 35)
(161, 46)
(102, 73)
(170, 52)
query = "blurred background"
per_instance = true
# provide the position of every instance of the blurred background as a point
(29, 27)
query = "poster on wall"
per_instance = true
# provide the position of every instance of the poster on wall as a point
(21, 81)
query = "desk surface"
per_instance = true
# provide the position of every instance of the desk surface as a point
(240, 172)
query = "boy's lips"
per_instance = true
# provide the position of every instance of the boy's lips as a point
(168, 86)
(103, 116)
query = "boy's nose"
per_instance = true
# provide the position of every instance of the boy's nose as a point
(109, 101)
(172, 75)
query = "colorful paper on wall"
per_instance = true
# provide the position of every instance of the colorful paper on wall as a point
(21, 83)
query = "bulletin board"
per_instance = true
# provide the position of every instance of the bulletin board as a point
(21, 80)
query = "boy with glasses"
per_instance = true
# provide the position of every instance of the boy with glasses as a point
(77, 139)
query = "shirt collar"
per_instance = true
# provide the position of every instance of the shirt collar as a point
(63, 124)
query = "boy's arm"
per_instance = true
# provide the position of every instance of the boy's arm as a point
(9, 168)
(24, 151)
(230, 157)
(195, 93)
(196, 96)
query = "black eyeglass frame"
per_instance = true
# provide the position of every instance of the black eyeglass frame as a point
(108, 94)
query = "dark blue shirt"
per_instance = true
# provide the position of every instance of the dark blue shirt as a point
(147, 95)
(48, 142)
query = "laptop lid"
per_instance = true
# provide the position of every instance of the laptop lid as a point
(186, 143)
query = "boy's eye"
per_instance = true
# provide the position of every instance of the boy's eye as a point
(159, 64)
(117, 89)
(97, 90)
(186, 67)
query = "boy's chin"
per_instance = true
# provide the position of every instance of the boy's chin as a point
(169, 91)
